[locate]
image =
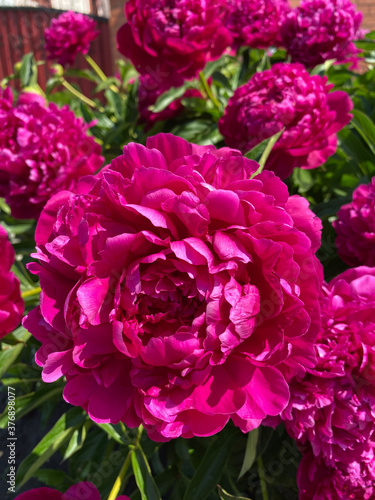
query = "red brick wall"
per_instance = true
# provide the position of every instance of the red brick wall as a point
(116, 20)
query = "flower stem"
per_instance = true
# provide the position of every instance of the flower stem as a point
(119, 482)
(98, 70)
(208, 90)
(80, 96)
(263, 483)
(31, 293)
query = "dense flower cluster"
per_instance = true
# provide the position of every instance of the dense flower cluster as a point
(256, 24)
(11, 303)
(331, 408)
(70, 34)
(318, 30)
(42, 150)
(177, 292)
(355, 227)
(80, 491)
(166, 37)
(317, 481)
(286, 96)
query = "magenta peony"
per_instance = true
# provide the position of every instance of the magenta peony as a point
(256, 24)
(317, 481)
(70, 34)
(42, 151)
(176, 291)
(172, 37)
(355, 227)
(80, 491)
(318, 30)
(332, 406)
(287, 96)
(11, 303)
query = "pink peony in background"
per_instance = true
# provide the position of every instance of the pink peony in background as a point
(163, 38)
(355, 227)
(256, 23)
(332, 406)
(70, 34)
(11, 303)
(177, 292)
(287, 96)
(318, 30)
(317, 481)
(80, 491)
(42, 151)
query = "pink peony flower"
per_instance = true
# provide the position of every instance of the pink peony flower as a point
(287, 96)
(176, 291)
(318, 30)
(70, 34)
(165, 38)
(42, 151)
(148, 92)
(11, 303)
(317, 481)
(80, 491)
(256, 24)
(332, 406)
(355, 227)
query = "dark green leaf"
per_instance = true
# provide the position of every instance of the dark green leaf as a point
(207, 476)
(143, 476)
(54, 479)
(28, 71)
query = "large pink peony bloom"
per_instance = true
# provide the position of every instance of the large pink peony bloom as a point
(333, 406)
(355, 227)
(42, 151)
(256, 23)
(69, 34)
(80, 491)
(287, 96)
(173, 37)
(11, 303)
(317, 481)
(176, 291)
(318, 30)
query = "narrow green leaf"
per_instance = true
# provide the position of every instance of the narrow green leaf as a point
(27, 402)
(28, 71)
(365, 126)
(171, 95)
(261, 151)
(226, 496)
(77, 440)
(207, 476)
(60, 433)
(8, 356)
(57, 479)
(116, 103)
(143, 476)
(112, 433)
(250, 452)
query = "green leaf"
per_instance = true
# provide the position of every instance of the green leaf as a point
(87, 74)
(9, 355)
(60, 433)
(111, 431)
(250, 452)
(54, 479)
(27, 402)
(171, 95)
(143, 476)
(261, 151)
(365, 126)
(77, 440)
(103, 85)
(207, 476)
(116, 103)
(28, 71)
(226, 496)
